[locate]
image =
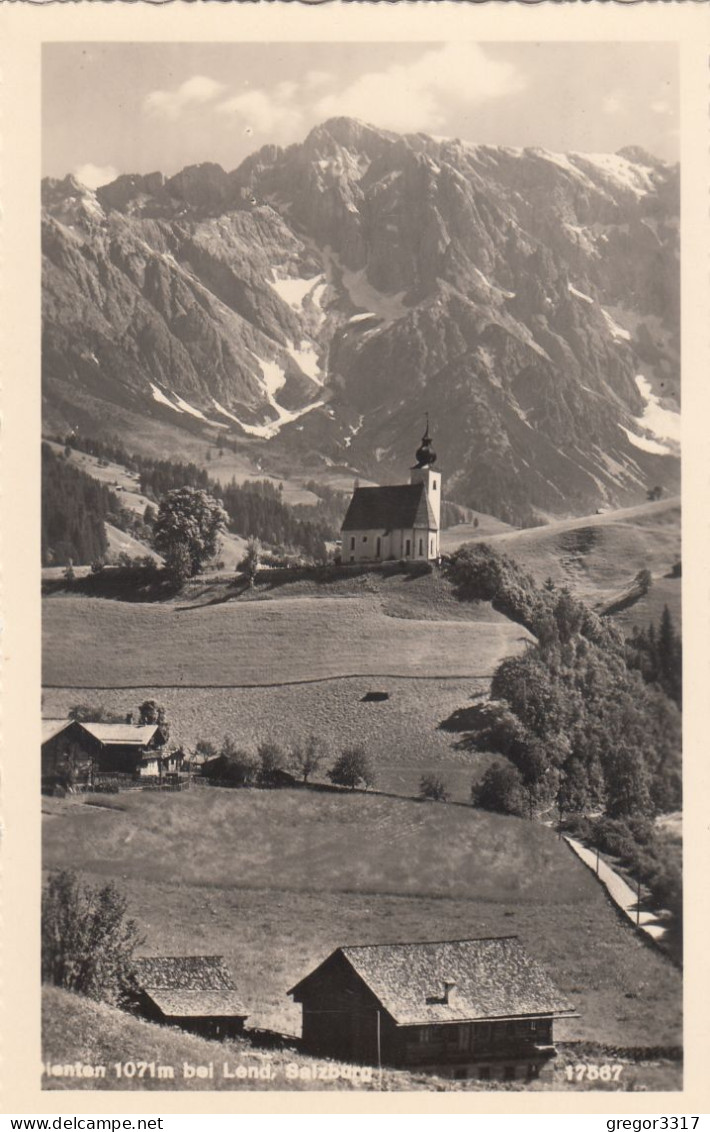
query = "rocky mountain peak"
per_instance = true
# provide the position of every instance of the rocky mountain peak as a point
(316, 300)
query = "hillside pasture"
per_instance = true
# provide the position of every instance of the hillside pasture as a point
(401, 734)
(597, 556)
(101, 643)
(275, 880)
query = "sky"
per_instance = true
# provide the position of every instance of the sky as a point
(136, 108)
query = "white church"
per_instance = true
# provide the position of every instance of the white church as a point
(399, 521)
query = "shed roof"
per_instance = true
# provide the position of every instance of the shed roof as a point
(491, 978)
(389, 508)
(124, 734)
(197, 1004)
(190, 986)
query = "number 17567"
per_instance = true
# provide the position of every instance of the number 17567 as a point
(592, 1072)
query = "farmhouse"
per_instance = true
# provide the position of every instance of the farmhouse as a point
(67, 754)
(195, 992)
(397, 521)
(127, 748)
(460, 1008)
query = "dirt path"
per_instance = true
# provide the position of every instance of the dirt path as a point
(620, 892)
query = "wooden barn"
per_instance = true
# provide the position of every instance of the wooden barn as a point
(195, 992)
(67, 755)
(478, 1008)
(129, 748)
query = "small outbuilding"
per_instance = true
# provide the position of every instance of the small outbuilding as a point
(195, 992)
(479, 1008)
(67, 755)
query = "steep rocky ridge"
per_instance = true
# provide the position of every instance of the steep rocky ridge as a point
(315, 301)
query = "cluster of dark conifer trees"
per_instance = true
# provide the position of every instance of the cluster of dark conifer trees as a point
(74, 508)
(255, 508)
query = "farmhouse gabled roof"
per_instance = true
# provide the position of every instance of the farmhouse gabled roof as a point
(122, 733)
(492, 978)
(52, 727)
(389, 508)
(190, 986)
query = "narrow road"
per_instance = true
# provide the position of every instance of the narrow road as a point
(621, 893)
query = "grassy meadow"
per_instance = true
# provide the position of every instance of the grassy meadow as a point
(275, 880)
(93, 642)
(401, 735)
(598, 556)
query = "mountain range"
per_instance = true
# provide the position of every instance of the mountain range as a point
(310, 306)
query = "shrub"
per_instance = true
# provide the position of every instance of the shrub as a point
(233, 766)
(501, 790)
(434, 788)
(307, 757)
(105, 788)
(87, 940)
(578, 826)
(272, 761)
(352, 768)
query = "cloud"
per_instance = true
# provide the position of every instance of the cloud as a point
(414, 96)
(661, 107)
(193, 92)
(612, 104)
(313, 80)
(265, 113)
(93, 176)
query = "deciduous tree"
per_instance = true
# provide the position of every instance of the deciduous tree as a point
(87, 939)
(352, 768)
(187, 530)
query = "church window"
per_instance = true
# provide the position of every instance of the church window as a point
(421, 548)
(352, 543)
(433, 486)
(431, 546)
(364, 538)
(408, 548)
(379, 543)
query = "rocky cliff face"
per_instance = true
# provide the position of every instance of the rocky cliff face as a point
(315, 301)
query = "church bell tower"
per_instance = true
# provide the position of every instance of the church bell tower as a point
(423, 472)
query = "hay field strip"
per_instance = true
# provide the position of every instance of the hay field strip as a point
(91, 642)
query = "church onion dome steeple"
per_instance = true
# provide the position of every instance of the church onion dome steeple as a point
(424, 455)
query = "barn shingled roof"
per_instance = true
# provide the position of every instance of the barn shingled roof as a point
(122, 733)
(492, 978)
(190, 986)
(389, 508)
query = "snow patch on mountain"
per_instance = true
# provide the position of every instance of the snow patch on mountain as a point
(354, 430)
(293, 290)
(273, 375)
(306, 358)
(617, 331)
(187, 408)
(579, 294)
(662, 422)
(162, 399)
(619, 171)
(646, 444)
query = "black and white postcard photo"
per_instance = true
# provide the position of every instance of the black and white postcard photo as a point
(358, 509)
